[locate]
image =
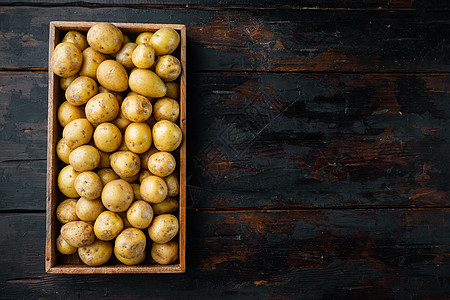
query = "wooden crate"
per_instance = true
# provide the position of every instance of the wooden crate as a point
(56, 262)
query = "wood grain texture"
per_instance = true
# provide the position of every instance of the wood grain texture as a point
(258, 40)
(314, 254)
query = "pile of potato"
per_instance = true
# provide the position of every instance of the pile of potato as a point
(118, 132)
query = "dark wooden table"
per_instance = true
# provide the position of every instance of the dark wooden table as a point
(318, 144)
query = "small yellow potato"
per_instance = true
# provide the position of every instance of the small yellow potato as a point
(168, 68)
(66, 211)
(66, 59)
(166, 109)
(88, 185)
(121, 121)
(153, 189)
(64, 247)
(163, 228)
(161, 164)
(91, 60)
(108, 225)
(130, 243)
(64, 82)
(165, 254)
(143, 56)
(84, 158)
(102, 108)
(107, 175)
(166, 136)
(77, 38)
(117, 195)
(145, 156)
(81, 90)
(97, 253)
(125, 163)
(89, 210)
(63, 151)
(147, 83)
(118, 95)
(130, 179)
(68, 112)
(136, 108)
(165, 41)
(130, 261)
(124, 55)
(104, 160)
(136, 191)
(144, 174)
(169, 205)
(105, 38)
(140, 214)
(173, 90)
(66, 181)
(138, 137)
(78, 132)
(78, 233)
(144, 37)
(173, 186)
(107, 137)
(112, 75)
(134, 94)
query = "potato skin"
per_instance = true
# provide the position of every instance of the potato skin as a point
(78, 233)
(143, 56)
(84, 158)
(153, 189)
(169, 205)
(136, 108)
(68, 112)
(105, 38)
(107, 137)
(121, 121)
(117, 195)
(173, 186)
(163, 228)
(66, 211)
(140, 214)
(107, 175)
(168, 68)
(138, 137)
(108, 225)
(167, 136)
(97, 253)
(165, 254)
(66, 181)
(130, 243)
(81, 90)
(66, 59)
(165, 41)
(124, 55)
(130, 179)
(166, 109)
(125, 163)
(77, 38)
(144, 37)
(145, 156)
(64, 82)
(102, 108)
(104, 159)
(130, 261)
(162, 164)
(91, 60)
(63, 151)
(144, 174)
(89, 210)
(147, 83)
(88, 185)
(112, 75)
(173, 90)
(77, 133)
(63, 247)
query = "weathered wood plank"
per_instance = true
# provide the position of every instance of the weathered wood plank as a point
(261, 40)
(370, 254)
(275, 140)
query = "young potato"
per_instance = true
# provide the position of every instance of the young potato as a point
(125, 163)
(140, 214)
(166, 136)
(165, 254)
(124, 55)
(107, 137)
(78, 132)
(81, 90)
(64, 247)
(143, 56)
(91, 60)
(136, 108)
(66, 180)
(78, 233)
(104, 160)
(66, 59)
(131, 179)
(136, 191)
(145, 156)
(107, 175)
(84, 158)
(173, 90)
(63, 151)
(144, 174)
(88, 185)
(138, 137)
(147, 83)
(165, 41)
(77, 38)
(153, 189)
(68, 112)
(163, 228)
(173, 187)
(118, 95)
(130, 261)
(97, 253)
(134, 94)
(169, 205)
(64, 82)
(130, 243)
(166, 109)
(168, 67)
(144, 37)
(89, 210)
(108, 225)
(105, 38)
(161, 164)
(121, 121)
(102, 108)
(66, 211)
(117, 195)
(112, 75)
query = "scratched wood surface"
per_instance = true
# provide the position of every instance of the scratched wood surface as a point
(318, 149)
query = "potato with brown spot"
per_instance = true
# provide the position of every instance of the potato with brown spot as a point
(102, 108)
(143, 56)
(63, 247)
(66, 181)
(138, 137)
(147, 83)
(153, 189)
(166, 109)
(173, 186)
(89, 210)
(124, 55)
(97, 253)
(68, 112)
(167, 136)
(81, 90)
(108, 225)
(78, 132)
(107, 137)
(161, 164)
(91, 60)
(136, 108)
(84, 158)
(145, 156)
(140, 214)
(88, 185)
(66, 211)
(76, 38)
(169, 205)
(165, 254)
(130, 243)
(125, 163)
(165, 41)
(144, 37)
(163, 228)
(66, 59)
(130, 261)
(78, 233)
(112, 75)
(168, 68)
(105, 38)
(107, 175)
(118, 95)
(63, 151)
(117, 195)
